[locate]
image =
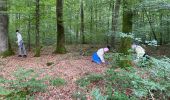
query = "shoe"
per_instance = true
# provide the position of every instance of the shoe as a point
(19, 56)
(24, 56)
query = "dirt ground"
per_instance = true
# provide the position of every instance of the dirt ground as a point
(70, 66)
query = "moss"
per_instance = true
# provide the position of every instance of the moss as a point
(7, 53)
(124, 49)
(125, 45)
(37, 52)
(61, 50)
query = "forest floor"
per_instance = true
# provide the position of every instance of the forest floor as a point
(70, 66)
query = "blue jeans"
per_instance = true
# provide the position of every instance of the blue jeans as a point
(96, 59)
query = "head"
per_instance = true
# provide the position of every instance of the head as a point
(106, 49)
(17, 30)
(133, 45)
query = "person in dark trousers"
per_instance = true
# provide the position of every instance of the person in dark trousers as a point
(21, 47)
(98, 57)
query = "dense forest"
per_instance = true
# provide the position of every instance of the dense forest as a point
(65, 33)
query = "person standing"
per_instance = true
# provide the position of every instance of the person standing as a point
(21, 47)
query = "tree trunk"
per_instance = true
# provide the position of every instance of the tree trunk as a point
(91, 17)
(3, 26)
(60, 28)
(150, 23)
(82, 22)
(115, 16)
(126, 28)
(37, 21)
(29, 39)
(161, 30)
(168, 29)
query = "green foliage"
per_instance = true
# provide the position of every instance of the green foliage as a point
(120, 96)
(85, 81)
(57, 82)
(7, 53)
(96, 94)
(144, 62)
(60, 50)
(37, 52)
(119, 60)
(24, 85)
(79, 96)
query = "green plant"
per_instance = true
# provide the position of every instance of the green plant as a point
(57, 82)
(24, 85)
(79, 96)
(85, 81)
(7, 53)
(96, 94)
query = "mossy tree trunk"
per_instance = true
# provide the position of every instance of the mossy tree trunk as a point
(60, 28)
(125, 44)
(115, 16)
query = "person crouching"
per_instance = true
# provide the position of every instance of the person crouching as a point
(98, 57)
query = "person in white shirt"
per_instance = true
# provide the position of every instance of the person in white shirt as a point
(21, 47)
(140, 52)
(98, 57)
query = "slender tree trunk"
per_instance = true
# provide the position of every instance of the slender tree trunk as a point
(3, 26)
(37, 21)
(77, 31)
(115, 16)
(161, 30)
(70, 35)
(150, 23)
(29, 39)
(60, 28)
(91, 17)
(168, 29)
(96, 12)
(82, 22)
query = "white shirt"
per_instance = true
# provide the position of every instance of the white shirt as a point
(139, 50)
(100, 53)
(19, 38)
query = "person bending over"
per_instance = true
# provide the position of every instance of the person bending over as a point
(140, 52)
(98, 57)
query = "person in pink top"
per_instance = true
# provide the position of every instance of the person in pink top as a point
(98, 57)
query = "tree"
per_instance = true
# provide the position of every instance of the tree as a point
(3, 26)
(125, 44)
(60, 28)
(82, 21)
(115, 16)
(37, 21)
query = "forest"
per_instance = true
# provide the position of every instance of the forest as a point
(47, 49)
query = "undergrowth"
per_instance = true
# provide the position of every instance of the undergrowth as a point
(148, 81)
(23, 86)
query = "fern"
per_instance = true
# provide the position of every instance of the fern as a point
(96, 94)
(85, 81)
(24, 85)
